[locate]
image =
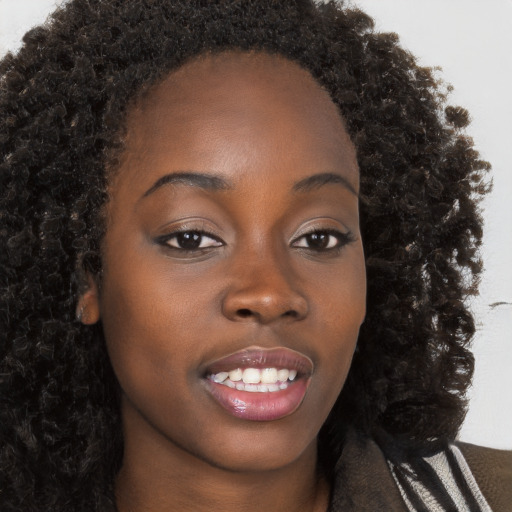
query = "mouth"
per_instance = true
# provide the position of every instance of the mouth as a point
(260, 385)
(256, 380)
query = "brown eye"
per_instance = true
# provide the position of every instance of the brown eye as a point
(322, 240)
(191, 240)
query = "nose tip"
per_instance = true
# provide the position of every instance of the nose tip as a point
(265, 302)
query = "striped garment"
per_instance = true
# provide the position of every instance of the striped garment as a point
(440, 483)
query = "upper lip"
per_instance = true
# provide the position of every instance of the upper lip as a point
(257, 357)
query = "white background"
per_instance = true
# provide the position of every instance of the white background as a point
(472, 41)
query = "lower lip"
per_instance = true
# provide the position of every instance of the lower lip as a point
(265, 406)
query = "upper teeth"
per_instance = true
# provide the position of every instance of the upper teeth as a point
(255, 375)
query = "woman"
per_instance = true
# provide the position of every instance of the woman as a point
(187, 188)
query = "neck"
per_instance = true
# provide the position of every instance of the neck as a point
(159, 476)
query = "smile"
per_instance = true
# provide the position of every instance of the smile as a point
(260, 385)
(267, 380)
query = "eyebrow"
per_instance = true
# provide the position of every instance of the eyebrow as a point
(213, 182)
(319, 180)
(192, 179)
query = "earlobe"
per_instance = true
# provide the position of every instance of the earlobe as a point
(88, 307)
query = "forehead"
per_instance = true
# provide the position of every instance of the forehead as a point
(248, 107)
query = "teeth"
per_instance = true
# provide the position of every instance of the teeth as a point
(268, 376)
(251, 376)
(283, 375)
(255, 380)
(220, 377)
(235, 375)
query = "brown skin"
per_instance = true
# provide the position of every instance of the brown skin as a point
(262, 124)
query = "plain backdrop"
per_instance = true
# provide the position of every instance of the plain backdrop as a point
(471, 40)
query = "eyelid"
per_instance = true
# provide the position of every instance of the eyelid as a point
(189, 224)
(324, 224)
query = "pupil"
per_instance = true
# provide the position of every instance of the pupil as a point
(189, 240)
(318, 240)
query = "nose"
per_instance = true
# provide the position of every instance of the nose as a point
(264, 292)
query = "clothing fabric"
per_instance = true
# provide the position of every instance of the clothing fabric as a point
(463, 478)
(449, 471)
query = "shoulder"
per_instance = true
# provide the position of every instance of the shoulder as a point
(492, 470)
(362, 479)
(459, 477)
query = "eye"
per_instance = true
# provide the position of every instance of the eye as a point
(322, 240)
(190, 240)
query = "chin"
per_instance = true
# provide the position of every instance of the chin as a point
(257, 455)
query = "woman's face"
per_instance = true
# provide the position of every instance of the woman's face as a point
(232, 262)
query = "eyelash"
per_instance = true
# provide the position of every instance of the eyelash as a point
(165, 239)
(342, 240)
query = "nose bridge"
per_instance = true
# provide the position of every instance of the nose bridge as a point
(265, 269)
(263, 287)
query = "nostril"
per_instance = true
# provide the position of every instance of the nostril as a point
(246, 313)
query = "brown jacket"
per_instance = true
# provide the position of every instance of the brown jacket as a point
(363, 480)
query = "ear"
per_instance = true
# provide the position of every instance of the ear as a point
(88, 307)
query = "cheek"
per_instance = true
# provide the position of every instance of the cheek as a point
(339, 308)
(338, 295)
(148, 316)
(145, 291)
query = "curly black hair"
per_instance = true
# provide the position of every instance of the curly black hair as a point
(64, 98)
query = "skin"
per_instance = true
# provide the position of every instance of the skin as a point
(262, 124)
